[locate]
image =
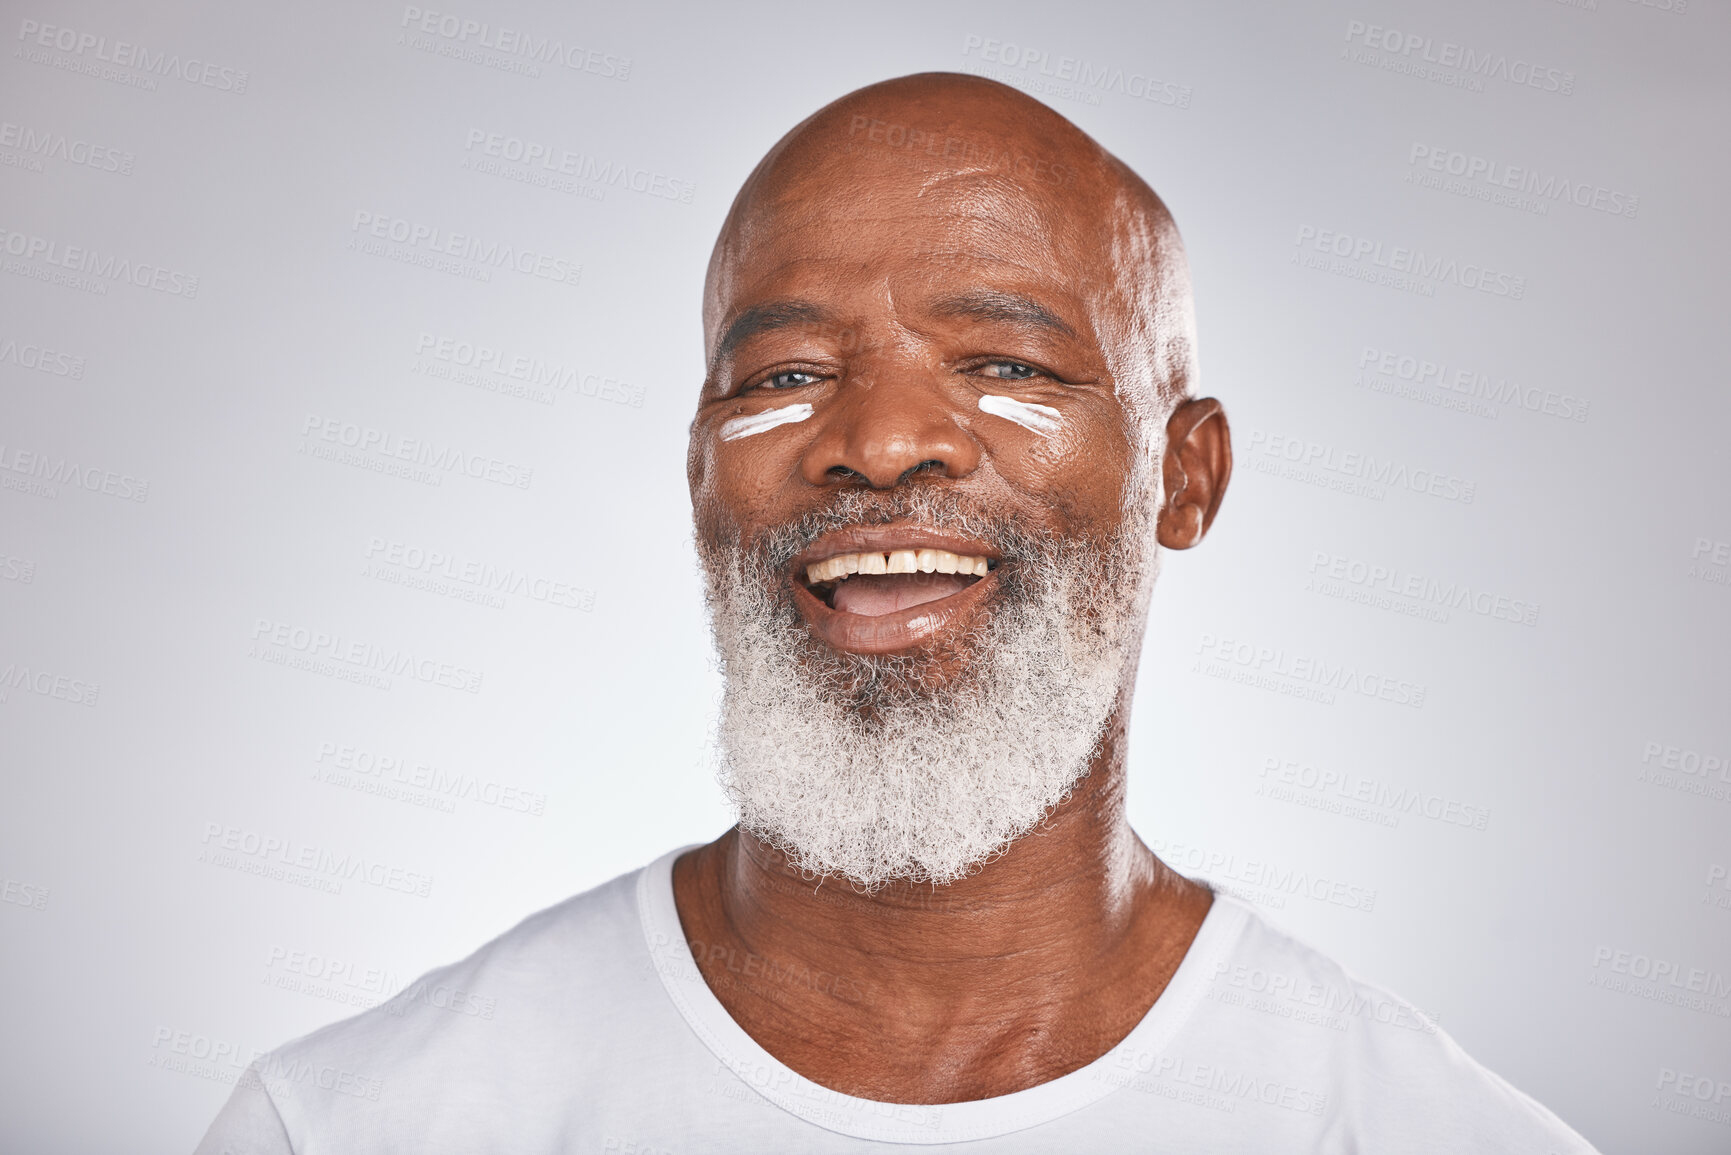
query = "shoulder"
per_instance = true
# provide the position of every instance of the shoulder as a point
(479, 1030)
(591, 938)
(1376, 1072)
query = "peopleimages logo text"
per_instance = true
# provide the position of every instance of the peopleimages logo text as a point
(392, 661)
(1413, 262)
(70, 149)
(1278, 662)
(123, 54)
(514, 42)
(318, 860)
(50, 471)
(416, 450)
(1471, 384)
(41, 359)
(466, 246)
(1523, 179)
(1366, 468)
(1485, 65)
(579, 165)
(1087, 75)
(48, 684)
(91, 263)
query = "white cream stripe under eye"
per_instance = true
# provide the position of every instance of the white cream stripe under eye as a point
(1041, 419)
(737, 427)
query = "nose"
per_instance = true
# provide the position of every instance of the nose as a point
(884, 429)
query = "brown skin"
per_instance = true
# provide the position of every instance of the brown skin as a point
(1045, 958)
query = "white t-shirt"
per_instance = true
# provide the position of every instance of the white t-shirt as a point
(588, 1028)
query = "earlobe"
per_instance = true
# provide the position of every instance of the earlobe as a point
(1195, 468)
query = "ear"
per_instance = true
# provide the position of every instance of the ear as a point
(1195, 468)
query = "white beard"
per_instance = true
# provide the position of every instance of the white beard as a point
(857, 766)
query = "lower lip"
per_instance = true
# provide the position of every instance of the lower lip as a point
(885, 634)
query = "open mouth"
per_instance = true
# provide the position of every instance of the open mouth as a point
(879, 589)
(874, 583)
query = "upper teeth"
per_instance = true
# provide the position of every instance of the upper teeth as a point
(838, 568)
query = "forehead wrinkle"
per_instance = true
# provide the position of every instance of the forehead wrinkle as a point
(1002, 205)
(805, 199)
(806, 229)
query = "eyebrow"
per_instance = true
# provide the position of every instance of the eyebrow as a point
(992, 305)
(765, 318)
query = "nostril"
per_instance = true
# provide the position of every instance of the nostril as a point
(931, 465)
(843, 473)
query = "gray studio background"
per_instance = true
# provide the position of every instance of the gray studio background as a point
(348, 612)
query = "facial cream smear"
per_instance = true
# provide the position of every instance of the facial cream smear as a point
(1041, 419)
(737, 427)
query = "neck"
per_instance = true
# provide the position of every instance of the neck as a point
(922, 993)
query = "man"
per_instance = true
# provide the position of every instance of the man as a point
(947, 421)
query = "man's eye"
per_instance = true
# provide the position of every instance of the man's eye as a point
(791, 379)
(1010, 370)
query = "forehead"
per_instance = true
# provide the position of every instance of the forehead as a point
(854, 215)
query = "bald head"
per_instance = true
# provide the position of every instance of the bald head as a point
(1001, 178)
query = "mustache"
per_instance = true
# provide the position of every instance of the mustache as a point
(927, 507)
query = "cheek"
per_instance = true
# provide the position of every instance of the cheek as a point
(740, 481)
(697, 462)
(711, 473)
(1081, 468)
